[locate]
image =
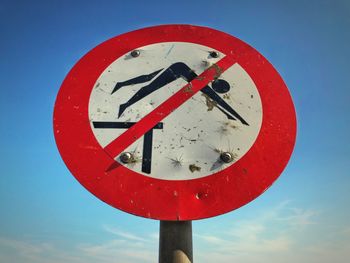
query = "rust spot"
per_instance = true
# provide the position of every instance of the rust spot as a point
(209, 102)
(188, 88)
(218, 71)
(194, 168)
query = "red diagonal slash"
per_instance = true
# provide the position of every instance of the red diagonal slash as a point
(162, 111)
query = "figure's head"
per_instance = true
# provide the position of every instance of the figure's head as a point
(220, 86)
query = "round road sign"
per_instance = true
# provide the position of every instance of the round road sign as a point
(175, 122)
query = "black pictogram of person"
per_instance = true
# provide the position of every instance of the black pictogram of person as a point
(175, 71)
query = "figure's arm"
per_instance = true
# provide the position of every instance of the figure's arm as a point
(224, 107)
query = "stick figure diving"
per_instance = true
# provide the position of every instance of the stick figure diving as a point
(175, 71)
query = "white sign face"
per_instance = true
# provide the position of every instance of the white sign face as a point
(224, 116)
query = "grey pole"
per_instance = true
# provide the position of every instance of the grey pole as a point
(175, 242)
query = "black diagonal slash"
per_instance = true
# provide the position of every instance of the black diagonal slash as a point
(147, 139)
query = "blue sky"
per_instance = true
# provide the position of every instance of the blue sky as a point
(46, 216)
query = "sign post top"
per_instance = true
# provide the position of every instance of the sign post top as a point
(175, 122)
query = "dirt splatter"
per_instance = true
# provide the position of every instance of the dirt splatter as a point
(218, 71)
(188, 88)
(209, 102)
(230, 124)
(227, 96)
(193, 168)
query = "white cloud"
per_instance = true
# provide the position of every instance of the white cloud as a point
(280, 234)
(124, 251)
(154, 236)
(123, 234)
(126, 248)
(18, 251)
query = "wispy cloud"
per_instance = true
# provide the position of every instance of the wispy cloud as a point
(124, 251)
(17, 251)
(268, 231)
(278, 234)
(125, 247)
(283, 233)
(123, 234)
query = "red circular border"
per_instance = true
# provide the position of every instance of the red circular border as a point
(164, 199)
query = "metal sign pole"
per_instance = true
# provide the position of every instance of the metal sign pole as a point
(175, 242)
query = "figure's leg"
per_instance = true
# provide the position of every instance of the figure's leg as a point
(163, 79)
(137, 80)
(175, 71)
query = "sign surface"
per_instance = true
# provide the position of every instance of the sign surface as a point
(175, 122)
